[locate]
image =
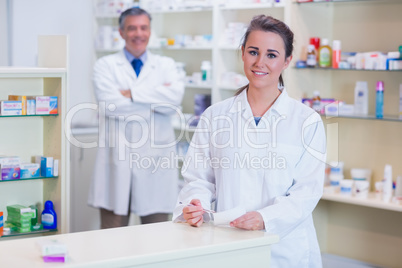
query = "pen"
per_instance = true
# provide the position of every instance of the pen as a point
(205, 210)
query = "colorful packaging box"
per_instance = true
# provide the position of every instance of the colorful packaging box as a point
(19, 211)
(11, 108)
(56, 168)
(29, 170)
(46, 167)
(31, 106)
(22, 99)
(46, 105)
(1, 223)
(10, 167)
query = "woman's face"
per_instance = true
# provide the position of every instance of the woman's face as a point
(264, 59)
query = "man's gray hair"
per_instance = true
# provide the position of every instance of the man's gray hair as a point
(134, 11)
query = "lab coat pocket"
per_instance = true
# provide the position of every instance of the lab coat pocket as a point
(282, 159)
(284, 156)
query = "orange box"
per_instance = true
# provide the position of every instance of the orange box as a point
(22, 99)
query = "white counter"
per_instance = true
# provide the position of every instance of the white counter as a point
(164, 245)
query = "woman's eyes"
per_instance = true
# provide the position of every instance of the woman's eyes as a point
(269, 55)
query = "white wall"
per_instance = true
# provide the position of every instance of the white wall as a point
(3, 33)
(47, 17)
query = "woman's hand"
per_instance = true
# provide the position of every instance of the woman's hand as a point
(193, 213)
(249, 221)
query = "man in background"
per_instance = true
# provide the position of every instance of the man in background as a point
(134, 135)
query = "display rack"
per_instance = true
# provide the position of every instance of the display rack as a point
(28, 136)
(347, 226)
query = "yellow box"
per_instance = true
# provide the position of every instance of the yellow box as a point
(22, 99)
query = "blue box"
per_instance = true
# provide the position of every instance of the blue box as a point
(30, 170)
(46, 166)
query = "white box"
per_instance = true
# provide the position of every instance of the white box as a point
(11, 108)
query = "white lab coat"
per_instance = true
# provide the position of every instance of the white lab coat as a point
(283, 180)
(127, 128)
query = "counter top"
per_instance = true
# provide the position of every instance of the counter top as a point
(165, 243)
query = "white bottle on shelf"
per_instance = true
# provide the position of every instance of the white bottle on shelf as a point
(206, 69)
(361, 98)
(387, 184)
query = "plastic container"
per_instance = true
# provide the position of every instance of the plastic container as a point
(379, 100)
(316, 101)
(360, 174)
(206, 71)
(336, 53)
(325, 54)
(335, 179)
(387, 184)
(49, 217)
(336, 167)
(311, 56)
(346, 187)
(316, 42)
(398, 188)
(361, 189)
(361, 98)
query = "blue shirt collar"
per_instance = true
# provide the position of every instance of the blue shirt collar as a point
(130, 56)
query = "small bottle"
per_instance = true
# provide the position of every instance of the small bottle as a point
(1, 223)
(311, 56)
(206, 71)
(379, 100)
(49, 217)
(361, 98)
(316, 42)
(336, 53)
(316, 100)
(387, 184)
(325, 54)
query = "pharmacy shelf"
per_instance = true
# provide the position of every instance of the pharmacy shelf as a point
(31, 115)
(203, 86)
(229, 88)
(227, 47)
(159, 48)
(365, 117)
(184, 10)
(29, 179)
(182, 48)
(187, 128)
(13, 233)
(344, 1)
(360, 70)
(46, 133)
(31, 72)
(251, 6)
(371, 201)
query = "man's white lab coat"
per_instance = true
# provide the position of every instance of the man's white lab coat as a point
(130, 129)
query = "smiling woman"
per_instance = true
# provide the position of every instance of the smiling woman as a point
(275, 174)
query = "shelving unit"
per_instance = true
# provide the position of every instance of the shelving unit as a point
(28, 179)
(28, 136)
(372, 201)
(366, 229)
